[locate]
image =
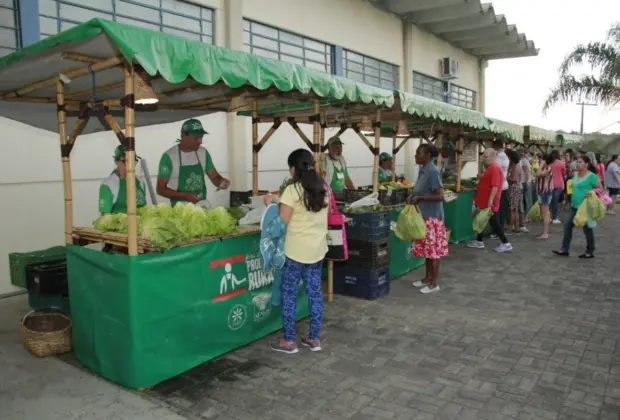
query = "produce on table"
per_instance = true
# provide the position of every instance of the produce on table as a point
(167, 226)
(365, 209)
(392, 186)
(236, 213)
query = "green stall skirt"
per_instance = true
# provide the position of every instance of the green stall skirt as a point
(458, 217)
(401, 260)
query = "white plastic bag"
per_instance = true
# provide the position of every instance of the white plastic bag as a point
(369, 200)
(253, 217)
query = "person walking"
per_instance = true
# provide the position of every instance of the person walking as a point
(612, 181)
(504, 163)
(515, 190)
(526, 186)
(544, 190)
(559, 173)
(303, 208)
(488, 196)
(428, 195)
(584, 184)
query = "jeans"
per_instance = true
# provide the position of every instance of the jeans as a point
(504, 209)
(496, 227)
(555, 203)
(292, 272)
(568, 234)
(526, 203)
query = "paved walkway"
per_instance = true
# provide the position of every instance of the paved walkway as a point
(524, 335)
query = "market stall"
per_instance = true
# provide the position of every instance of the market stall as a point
(144, 315)
(538, 141)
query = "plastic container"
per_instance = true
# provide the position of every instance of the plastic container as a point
(48, 278)
(369, 255)
(365, 284)
(368, 227)
(18, 261)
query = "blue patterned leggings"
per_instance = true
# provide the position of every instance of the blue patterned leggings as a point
(292, 272)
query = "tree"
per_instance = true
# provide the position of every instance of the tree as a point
(603, 85)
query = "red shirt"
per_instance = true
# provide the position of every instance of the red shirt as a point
(601, 172)
(559, 173)
(493, 176)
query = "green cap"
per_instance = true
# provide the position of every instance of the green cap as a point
(385, 156)
(193, 127)
(335, 141)
(119, 152)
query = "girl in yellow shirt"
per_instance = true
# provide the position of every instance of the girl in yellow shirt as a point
(303, 207)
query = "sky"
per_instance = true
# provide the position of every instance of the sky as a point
(516, 88)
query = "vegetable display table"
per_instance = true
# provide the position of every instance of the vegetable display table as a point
(140, 320)
(458, 217)
(401, 260)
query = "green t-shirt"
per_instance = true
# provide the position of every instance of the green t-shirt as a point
(113, 195)
(385, 175)
(582, 186)
(169, 162)
(341, 173)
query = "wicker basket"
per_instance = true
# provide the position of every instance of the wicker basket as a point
(46, 334)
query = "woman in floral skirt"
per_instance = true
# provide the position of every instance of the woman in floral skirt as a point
(428, 195)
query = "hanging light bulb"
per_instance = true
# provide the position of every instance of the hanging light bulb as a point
(403, 131)
(143, 91)
(366, 126)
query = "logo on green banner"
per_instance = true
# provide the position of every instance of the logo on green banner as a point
(262, 306)
(237, 316)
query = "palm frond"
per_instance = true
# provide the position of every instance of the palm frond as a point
(599, 55)
(587, 88)
(613, 37)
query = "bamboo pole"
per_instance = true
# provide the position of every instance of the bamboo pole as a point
(81, 58)
(322, 153)
(330, 281)
(66, 163)
(254, 151)
(394, 151)
(272, 130)
(80, 124)
(130, 162)
(113, 125)
(100, 89)
(300, 133)
(316, 134)
(439, 147)
(375, 166)
(104, 65)
(459, 162)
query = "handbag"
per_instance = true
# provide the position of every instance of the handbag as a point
(337, 249)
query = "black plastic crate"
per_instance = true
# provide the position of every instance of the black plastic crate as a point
(48, 278)
(371, 227)
(369, 255)
(238, 198)
(400, 196)
(340, 196)
(365, 284)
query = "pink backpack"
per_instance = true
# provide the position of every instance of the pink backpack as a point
(336, 232)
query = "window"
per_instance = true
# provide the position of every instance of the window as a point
(369, 70)
(463, 97)
(9, 29)
(281, 45)
(171, 16)
(429, 87)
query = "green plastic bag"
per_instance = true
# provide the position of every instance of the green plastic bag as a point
(596, 208)
(410, 225)
(581, 217)
(534, 213)
(481, 220)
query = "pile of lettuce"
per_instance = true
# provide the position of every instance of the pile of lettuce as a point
(167, 226)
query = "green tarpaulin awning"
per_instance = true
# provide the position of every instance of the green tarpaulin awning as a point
(532, 133)
(511, 131)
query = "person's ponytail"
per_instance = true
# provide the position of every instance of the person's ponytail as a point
(314, 188)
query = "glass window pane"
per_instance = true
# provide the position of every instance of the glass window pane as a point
(246, 38)
(257, 28)
(387, 75)
(291, 38)
(313, 45)
(64, 25)
(207, 14)
(99, 5)
(351, 56)
(350, 65)
(265, 53)
(207, 27)
(355, 76)
(246, 25)
(315, 56)
(387, 84)
(138, 23)
(48, 8)
(372, 71)
(184, 34)
(247, 48)
(372, 81)
(207, 39)
(7, 3)
(79, 14)
(259, 41)
(48, 26)
(371, 62)
(133, 10)
(317, 66)
(181, 22)
(292, 60)
(7, 18)
(7, 38)
(289, 49)
(5, 51)
(182, 7)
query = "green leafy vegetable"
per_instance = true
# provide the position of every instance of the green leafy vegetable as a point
(236, 213)
(287, 181)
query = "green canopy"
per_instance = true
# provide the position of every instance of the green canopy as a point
(532, 133)
(175, 60)
(511, 131)
(563, 138)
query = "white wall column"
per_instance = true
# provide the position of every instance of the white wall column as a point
(482, 82)
(411, 169)
(230, 27)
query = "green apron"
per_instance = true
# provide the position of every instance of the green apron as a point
(384, 176)
(338, 179)
(120, 205)
(191, 179)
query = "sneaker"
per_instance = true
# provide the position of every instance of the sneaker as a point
(504, 248)
(419, 283)
(284, 347)
(556, 222)
(313, 345)
(523, 229)
(494, 236)
(426, 290)
(475, 244)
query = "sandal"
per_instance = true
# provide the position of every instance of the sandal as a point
(543, 237)
(586, 256)
(561, 253)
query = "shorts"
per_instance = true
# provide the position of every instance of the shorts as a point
(435, 245)
(613, 191)
(515, 194)
(544, 199)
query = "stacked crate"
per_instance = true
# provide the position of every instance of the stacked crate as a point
(366, 274)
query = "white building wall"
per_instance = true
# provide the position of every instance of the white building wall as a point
(31, 185)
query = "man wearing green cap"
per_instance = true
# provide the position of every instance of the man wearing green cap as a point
(183, 167)
(385, 167)
(336, 172)
(113, 189)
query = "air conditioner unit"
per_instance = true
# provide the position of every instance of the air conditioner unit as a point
(449, 68)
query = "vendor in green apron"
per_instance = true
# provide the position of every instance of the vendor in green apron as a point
(182, 168)
(385, 168)
(113, 189)
(336, 172)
